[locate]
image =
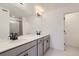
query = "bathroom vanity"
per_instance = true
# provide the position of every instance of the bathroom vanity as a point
(26, 45)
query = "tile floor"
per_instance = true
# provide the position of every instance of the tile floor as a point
(69, 51)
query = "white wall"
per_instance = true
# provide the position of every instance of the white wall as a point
(36, 24)
(72, 29)
(53, 23)
(26, 26)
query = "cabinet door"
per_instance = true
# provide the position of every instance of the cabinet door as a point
(32, 51)
(48, 43)
(40, 48)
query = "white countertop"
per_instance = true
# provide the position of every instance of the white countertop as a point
(6, 44)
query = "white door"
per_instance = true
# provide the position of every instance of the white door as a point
(72, 29)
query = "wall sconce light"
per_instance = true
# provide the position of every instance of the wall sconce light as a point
(38, 14)
(39, 10)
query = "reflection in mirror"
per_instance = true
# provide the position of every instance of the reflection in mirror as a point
(16, 26)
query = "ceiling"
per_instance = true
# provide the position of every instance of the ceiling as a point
(66, 7)
(28, 9)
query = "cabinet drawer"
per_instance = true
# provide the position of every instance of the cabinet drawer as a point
(18, 50)
(31, 52)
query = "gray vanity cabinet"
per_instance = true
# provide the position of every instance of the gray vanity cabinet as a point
(40, 47)
(20, 49)
(34, 48)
